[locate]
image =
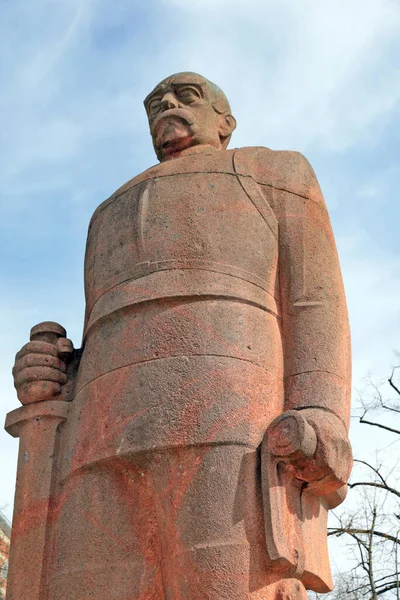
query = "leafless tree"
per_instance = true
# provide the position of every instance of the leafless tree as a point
(370, 527)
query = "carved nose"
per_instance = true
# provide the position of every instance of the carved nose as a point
(169, 101)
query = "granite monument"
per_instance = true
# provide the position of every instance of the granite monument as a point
(191, 449)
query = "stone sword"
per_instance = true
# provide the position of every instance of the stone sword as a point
(35, 424)
(289, 503)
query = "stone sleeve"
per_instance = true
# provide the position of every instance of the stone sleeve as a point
(316, 338)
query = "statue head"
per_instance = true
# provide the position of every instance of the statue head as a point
(186, 110)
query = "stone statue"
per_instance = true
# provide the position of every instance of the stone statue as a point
(192, 448)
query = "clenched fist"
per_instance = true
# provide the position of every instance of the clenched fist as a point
(40, 366)
(315, 443)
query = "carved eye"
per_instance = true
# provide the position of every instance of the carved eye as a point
(187, 94)
(154, 106)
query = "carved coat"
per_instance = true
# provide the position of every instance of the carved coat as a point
(214, 303)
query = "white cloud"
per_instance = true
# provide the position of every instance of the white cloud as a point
(302, 73)
(52, 118)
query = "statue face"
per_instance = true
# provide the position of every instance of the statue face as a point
(181, 115)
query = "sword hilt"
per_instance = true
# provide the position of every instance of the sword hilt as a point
(54, 334)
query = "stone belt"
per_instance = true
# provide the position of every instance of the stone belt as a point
(192, 283)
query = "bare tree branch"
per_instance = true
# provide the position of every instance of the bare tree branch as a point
(370, 557)
(387, 588)
(380, 425)
(376, 485)
(374, 469)
(338, 531)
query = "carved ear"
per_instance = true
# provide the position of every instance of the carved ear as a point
(226, 127)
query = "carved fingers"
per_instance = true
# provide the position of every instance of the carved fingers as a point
(314, 443)
(40, 366)
(333, 456)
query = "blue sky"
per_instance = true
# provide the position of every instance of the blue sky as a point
(319, 77)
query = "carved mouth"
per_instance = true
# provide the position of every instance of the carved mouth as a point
(173, 113)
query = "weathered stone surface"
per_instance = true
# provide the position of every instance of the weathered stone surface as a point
(201, 436)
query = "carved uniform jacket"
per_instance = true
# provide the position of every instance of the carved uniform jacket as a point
(214, 303)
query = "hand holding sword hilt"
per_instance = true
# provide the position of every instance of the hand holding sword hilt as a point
(41, 364)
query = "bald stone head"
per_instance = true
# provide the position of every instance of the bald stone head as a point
(186, 110)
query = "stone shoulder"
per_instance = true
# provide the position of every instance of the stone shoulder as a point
(284, 170)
